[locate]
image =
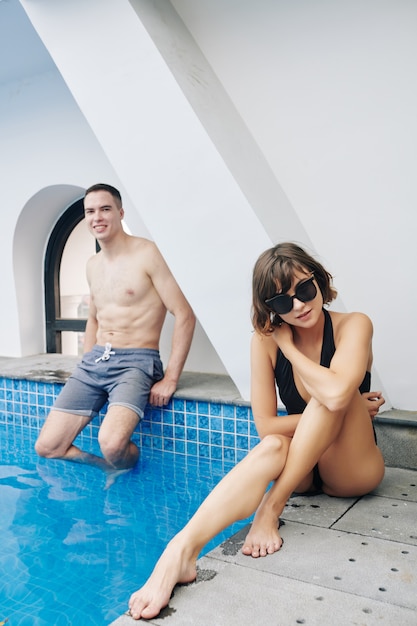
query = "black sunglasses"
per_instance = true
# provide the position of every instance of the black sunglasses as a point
(283, 303)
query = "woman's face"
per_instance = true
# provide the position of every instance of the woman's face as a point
(305, 299)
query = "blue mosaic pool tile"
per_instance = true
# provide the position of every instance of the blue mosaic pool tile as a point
(179, 418)
(202, 422)
(203, 436)
(156, 429)
(179, 446)
(191, 420)
(191, 406)
(202, 408)
(179, 432)
(215, 408)
(167, 417)
(146, 441)
(242, 412)
(168, 444)
(228, 410)
(178, 404)
(195, 428)
(145, 427)
(229, 454)
(242, 442)
(229, 441)
(228, 425)
(242, 427)
(216, 423)
(216, 452)
(203, 450)
(191, 434)
(167, 431)
(191, 448)
(216, 438)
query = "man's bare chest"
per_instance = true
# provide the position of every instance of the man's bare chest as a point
(122, 285)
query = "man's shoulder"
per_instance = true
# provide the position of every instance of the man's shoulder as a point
(142, 246)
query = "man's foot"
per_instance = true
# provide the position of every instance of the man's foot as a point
(112, 475)
(173, 567)
(263, 538)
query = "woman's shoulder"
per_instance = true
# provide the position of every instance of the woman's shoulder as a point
(346, 321)
(264, 344)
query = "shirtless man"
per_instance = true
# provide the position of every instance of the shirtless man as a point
(131, 290)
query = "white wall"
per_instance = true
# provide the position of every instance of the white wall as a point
(315, 100)
(48, 156)
(327, 89)
(188, 198)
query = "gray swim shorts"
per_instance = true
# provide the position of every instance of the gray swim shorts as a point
(121, 377)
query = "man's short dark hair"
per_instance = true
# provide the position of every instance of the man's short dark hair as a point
(104, 187)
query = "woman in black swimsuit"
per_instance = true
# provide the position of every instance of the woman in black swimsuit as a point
(321, 363)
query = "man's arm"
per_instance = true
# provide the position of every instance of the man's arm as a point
(176, 303)
(90, 333)
(162, 391)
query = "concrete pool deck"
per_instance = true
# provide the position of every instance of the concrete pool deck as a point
(344, 562)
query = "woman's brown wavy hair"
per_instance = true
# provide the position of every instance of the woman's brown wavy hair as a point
(274, 270)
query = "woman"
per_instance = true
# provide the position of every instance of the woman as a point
(321, 363)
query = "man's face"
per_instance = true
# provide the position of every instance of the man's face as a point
(102, 215)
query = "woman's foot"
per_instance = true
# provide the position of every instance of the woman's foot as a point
(263, 537)
(173, 567)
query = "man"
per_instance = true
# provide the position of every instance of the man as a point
(131, 290)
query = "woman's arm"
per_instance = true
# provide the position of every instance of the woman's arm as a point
(263, 390)
(334, 386)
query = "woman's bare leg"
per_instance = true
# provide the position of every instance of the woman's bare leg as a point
(236, 497)
(349, 463)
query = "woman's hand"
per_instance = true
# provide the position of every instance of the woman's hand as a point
(373, 401)
(283, 336)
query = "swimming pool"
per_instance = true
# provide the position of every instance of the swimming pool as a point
(71, 552)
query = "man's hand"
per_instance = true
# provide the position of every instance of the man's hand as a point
(373, 400)
(161, 392)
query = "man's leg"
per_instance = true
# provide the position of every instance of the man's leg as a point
(120, 454)
(114, 437)
(56, 438)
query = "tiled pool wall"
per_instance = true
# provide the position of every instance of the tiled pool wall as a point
(201, 429)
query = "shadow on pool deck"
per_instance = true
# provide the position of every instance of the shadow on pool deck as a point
(344, 562)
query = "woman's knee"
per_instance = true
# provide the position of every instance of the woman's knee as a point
(274, 445)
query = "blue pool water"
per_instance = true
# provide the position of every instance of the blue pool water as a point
(71, 553)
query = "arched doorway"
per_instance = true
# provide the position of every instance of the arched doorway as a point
(66, 290)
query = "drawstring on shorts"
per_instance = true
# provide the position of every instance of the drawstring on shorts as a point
(106, 354)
